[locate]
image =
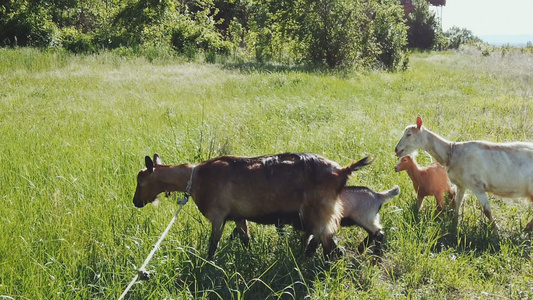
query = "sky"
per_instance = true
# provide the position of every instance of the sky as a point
(489, 17)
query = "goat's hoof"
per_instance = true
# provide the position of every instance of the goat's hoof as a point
(234, 234)
(339, 251)
(311, 247)
(529, 227)
(372, 243)
(144, 275)
(495, 228)
(336, 253)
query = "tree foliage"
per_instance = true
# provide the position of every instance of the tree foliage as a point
(423, 26)
(456, 37)
(333, 33)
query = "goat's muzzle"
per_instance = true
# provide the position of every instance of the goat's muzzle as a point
(139, 205)
(136, 199)
(398, 152)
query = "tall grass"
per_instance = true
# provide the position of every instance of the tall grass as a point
(75, 130)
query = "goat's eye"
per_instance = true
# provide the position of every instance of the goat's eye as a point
(408, 135)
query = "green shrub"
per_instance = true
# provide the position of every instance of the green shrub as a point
(183, 36)
(333, 33)
(199, 33)
(456, 37)
(27, 25)
(76, 41)
(391, 37)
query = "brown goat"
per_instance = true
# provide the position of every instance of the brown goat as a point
(259, 189)
(427, 181)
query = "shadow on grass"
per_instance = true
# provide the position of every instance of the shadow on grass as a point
(272, 269)
(251, 67)
(238, 272)
(473, 234)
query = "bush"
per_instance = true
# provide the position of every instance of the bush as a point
(28, 25)
(333, 33)
(364, 34)
(77, 42)
(456, 37)
(391, 37)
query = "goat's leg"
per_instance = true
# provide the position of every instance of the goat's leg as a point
(329, 245)
(217, 227)
(280, 229)
(309, 243)
(372, 241)
(484, 201)
(440, 201)
(459, 197)
(378, 241)
(241, 230)
(451, 195)
(529, 226)
(320, 213)
(420, 197)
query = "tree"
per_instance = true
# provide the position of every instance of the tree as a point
(26, 23)
(422, 26)
(335, 33)
(458, 36)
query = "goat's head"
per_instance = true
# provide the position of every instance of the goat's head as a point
(147, 186)
(403, 163)
(411, 139)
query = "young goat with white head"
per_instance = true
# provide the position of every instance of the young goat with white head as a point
(503, 169)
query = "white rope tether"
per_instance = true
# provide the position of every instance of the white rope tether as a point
(142, 273)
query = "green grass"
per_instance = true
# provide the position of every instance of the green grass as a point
(75, 130)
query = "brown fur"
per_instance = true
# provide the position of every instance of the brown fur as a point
(427, 181)
(360, 207)
(255, 189)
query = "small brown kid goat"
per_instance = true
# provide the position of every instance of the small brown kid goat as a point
(260, 189)
(427, 181)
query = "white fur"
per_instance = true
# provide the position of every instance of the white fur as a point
(504, 169)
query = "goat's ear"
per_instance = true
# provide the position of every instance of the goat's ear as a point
(418, 122)
(149, 164)
(157, 160)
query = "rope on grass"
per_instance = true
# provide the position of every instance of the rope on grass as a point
(142, 273)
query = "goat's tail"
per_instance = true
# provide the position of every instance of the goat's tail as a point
(358, 165)
(388, 195)
(345, 172)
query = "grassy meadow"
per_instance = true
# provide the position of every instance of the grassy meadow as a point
(75, 130)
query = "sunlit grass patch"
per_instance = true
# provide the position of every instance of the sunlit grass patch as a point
(75, 130)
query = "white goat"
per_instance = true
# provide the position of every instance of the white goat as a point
(361, 207)
(503, 169)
